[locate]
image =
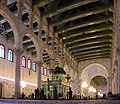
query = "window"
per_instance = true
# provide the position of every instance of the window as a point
(42, 70)
(2, 51)
(45, 71)
(49, 72)
(10, 55)
(23, 61)
(34, 66)
(29, 64)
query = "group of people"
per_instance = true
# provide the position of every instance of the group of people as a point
(39, 94)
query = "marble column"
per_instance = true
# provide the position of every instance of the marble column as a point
(19, 5)
(18, 53)
(39, 78)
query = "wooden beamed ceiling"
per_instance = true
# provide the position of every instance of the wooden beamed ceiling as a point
(85, 26)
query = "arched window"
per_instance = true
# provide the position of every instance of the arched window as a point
(10, 55)
(45, 71)
(42, 70)
(49, 72)
(34, 66)
(2, 51)
(29, 64)
(23, 61)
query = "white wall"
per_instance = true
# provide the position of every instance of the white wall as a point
(7, 70)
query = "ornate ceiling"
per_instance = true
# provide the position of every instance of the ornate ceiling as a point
(85, 27)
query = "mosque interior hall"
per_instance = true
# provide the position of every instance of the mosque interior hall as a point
(59, 44)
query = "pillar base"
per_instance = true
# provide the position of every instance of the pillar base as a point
(17, 96)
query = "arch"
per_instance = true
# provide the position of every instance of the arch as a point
(34, 39)
(99, 83)
(93, 70)
(5, 12)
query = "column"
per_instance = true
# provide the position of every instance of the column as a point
(19, 5)
(117, 37)
(18, 53)
(118, 70)
(110, 84)
(52, 66)
(40, 30)
(39, 78)
(31, 20)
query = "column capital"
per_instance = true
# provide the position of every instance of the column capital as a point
(39, 63)
(19, 3)
(18, 51)
(110, 78)
(118, 51)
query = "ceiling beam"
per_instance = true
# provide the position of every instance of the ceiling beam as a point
(80, 15)
(67, 7)
(92, 50)
(93, 55)
(88, 23)
(87, 36)
(30, 46)
(101, 27)
(31, 49)
(89, 41)
(26, 41)
(40, 3)
(92, 46)
(91, 58)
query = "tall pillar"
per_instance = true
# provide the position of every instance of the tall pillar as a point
(118, 70)
(39, 78)
(52, 66)
(117, 34)
(18, 53)
(110, 84)
(19, 5)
